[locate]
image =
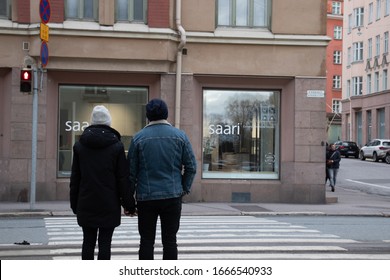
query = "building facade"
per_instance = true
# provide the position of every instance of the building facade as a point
(334, 69)
(244, 79)
(366, 98)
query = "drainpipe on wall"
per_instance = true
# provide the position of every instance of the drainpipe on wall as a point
(182, 34)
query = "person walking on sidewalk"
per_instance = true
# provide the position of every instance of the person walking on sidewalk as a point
(99, 184)
(333, 158)
(162, 169)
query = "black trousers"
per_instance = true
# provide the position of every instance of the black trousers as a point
(90, 235)
(169, 211)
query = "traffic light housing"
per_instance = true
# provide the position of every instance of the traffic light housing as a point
(25, 80)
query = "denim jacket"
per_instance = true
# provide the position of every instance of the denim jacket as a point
(162, 162)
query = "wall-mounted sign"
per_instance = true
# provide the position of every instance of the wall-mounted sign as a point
(316, 93)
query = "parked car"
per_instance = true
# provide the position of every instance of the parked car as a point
(348, 148)
(387, 156)
(376, 149)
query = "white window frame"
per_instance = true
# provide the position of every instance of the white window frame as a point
(350, 23)
(336, 8)
(79, 13)
(386, 42)
(376, 82)
(385, 80)
(338, 32)
(7, 13)
(377, 45)
(358, 16)
(337, 57)
(129, 6)
(357, 83)
(256, 10)
(336, 106)
(369, 84)
(371, 12)
(387, 7)
(378, 10)
(357, 51)
(349, 56)
(336, 82)
(369, 46)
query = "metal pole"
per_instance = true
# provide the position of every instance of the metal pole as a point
(34, 137)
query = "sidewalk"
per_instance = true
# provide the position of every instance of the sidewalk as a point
(346, 202)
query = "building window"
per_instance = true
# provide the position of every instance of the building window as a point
(337, 82)
(384, 83)
(244, 13)
(336, 8)
(386, 42)
(349, 56)
(358, 16)
(357, 51)
(336, 106)
(377, 45)
(81, 9)
(127, 109)
(378, 9)
(369, 126)
(369, 54)
(131, 10)
(357, 83)
(5, 9)
(369, 84)
(376, 81)
(387, 7)
(350, 23)
(371, 12)
(337, 57)
(338, 32)
(381, 124)
(241, 135)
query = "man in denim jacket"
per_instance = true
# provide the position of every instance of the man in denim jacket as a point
(162, 169)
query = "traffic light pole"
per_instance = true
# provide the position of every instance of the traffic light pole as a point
(34, 137)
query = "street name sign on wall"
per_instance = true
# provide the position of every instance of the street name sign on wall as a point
(316, 93)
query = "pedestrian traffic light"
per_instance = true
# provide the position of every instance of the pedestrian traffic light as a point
(25, 80)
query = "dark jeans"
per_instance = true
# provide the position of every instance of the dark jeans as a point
(104, 243)
(169, 211)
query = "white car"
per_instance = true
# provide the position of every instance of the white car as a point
(376, 149)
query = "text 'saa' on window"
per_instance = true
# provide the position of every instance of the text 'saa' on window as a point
(241, 134)
(126, 106)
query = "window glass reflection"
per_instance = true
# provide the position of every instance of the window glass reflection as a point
(126, 106)
(240, 134)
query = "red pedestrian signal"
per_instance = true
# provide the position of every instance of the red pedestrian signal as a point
(25, 80)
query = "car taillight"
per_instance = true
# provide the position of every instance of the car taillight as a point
(383, 148)
(341, 147)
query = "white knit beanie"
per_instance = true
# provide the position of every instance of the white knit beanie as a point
(100, 115)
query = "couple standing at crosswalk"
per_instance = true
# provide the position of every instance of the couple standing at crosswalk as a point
(159, 169)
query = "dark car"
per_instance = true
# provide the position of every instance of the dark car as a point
(347, 148)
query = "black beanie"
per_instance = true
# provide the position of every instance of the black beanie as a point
(156, 110)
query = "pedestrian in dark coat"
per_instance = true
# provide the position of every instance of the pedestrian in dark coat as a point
(333, 159)
(100, 184)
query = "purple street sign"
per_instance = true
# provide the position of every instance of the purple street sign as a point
(44, 10)
(44, 54)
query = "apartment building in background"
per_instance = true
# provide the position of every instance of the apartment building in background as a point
(366, 94)
(245, 80)
(334, 69)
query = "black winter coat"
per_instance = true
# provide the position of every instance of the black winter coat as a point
(99, 183)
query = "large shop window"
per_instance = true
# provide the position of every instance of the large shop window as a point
(241, 134)
(126, 105)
